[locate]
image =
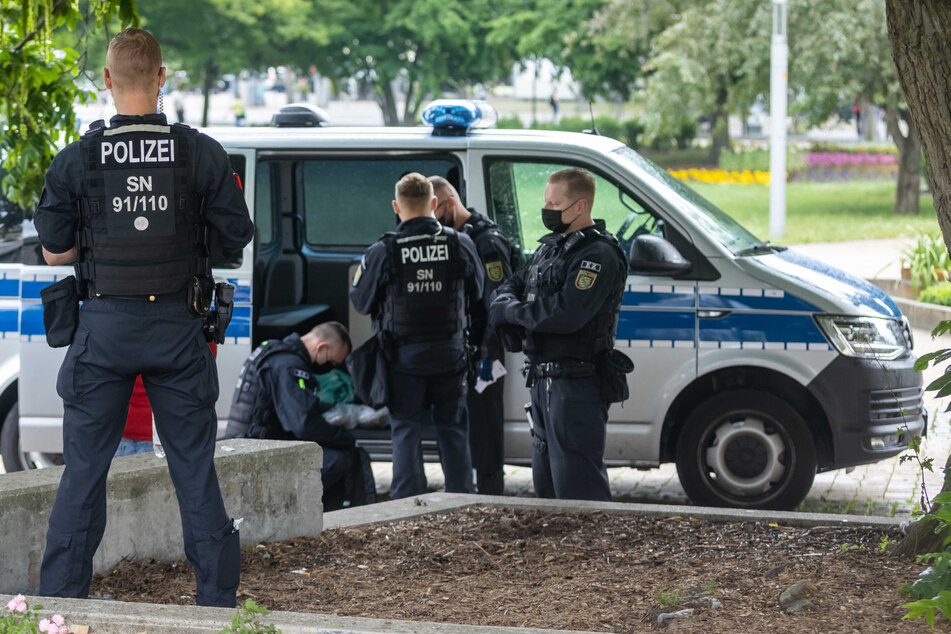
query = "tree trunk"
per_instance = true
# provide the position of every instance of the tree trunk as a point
(720, 128)
(409, 113)
(388, 102)
(921, 538)
(211, 73)
(920, 35)
(908, 192)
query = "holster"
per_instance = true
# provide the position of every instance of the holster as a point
(60, 311)
(217, 319)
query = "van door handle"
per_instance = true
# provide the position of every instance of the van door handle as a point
(713, 314)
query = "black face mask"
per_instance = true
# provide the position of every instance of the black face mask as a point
(551, 218)
(323, 368)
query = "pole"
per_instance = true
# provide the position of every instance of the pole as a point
(777, 115)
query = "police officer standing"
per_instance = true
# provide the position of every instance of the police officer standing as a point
(486, 414)
(277, 397)
(567, 301)
(134, 206)
(416, 282)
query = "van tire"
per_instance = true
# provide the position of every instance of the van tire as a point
(13, 458)
(746, 449)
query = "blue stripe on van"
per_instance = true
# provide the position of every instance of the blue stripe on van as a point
(31, 287)
(240, 325)
(9, 287)
(661, 325)
(31, 320)
(652, 299)
(753, 299)
(762, 328)
(9, 321)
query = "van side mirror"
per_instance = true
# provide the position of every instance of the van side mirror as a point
(653, 255)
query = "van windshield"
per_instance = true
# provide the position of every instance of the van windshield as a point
(701, 211)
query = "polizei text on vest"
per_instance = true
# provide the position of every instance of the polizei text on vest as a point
(137, 151)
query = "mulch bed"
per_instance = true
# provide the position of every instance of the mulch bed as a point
(583, 571)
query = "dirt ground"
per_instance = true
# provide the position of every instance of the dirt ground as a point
(583, 571)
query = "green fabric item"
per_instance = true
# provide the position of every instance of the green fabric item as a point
(334, 387)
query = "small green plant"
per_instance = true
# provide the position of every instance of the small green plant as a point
(22, 619)
(847, 547)
(939, 293)
(927, 260)
(883, 543)
(711, 586)
(669, 599)
(247, 620)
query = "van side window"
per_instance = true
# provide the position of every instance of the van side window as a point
(517, 194)
(348, 202)
(263, 207)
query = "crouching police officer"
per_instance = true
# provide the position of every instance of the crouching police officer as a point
(417, 282)
(567, 300)
(276, 397)
(486, 413)
(126, 204)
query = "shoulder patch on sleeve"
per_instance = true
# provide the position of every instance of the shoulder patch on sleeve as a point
(301, 374)
(494, 271)
(585, 279)
(359, 273)
(591, 266)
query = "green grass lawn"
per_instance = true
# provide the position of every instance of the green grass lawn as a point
(824, 212)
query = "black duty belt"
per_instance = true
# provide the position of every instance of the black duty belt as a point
(562, 369)
(165, 298)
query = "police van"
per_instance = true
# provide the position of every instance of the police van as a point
(756, 366)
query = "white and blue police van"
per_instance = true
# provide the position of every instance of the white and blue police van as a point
(756, 367)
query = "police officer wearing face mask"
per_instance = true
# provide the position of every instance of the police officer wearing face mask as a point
(567, 301)
(277, 397)
(135, 206)
(417, 283)
(486, 414)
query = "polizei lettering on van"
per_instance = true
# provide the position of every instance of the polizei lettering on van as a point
(137, 151)
(428, 253)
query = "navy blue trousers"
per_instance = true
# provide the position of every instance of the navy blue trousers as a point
(115, 341)
(414, 402)
(568, 447)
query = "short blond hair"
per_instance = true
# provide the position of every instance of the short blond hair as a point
(134, 60)
(414, 191)
(579, 183)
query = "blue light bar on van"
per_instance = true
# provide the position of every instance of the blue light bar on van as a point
(455, 117)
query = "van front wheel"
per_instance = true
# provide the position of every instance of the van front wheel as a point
(746, 449)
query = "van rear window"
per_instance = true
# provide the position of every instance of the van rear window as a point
(347, 202)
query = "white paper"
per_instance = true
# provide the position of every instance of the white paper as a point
(498, 371)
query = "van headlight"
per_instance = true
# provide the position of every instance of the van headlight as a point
(865, 337)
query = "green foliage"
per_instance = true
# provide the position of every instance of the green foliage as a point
(20, 618)
(927, 607)
(247, 620)
(928, 259)
(38, 85)
(670, 599)
(939, 293)
(510, 123)
(823, 212)
(759, 160)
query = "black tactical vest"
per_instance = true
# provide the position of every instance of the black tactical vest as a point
(141, 228)
(546, 276)
(252, 411)
(425, 294)
(480, 225)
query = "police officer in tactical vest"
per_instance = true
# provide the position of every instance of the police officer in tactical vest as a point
(567, 302)
(134, 206)
(277, 397)
(416, 283)
(486, 414)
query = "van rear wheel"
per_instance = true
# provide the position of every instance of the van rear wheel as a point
(746, 449)
(13, 458)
